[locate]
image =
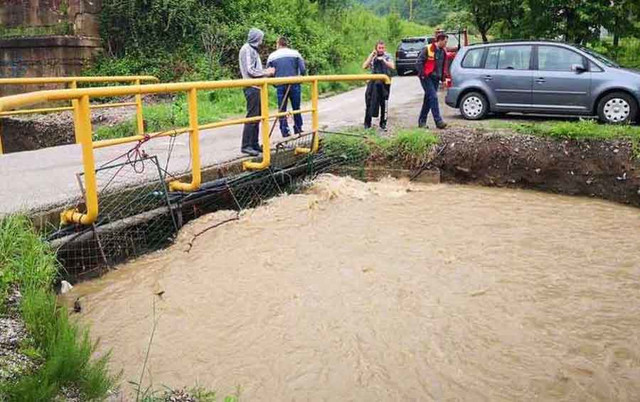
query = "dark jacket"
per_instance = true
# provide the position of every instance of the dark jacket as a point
(377, 92)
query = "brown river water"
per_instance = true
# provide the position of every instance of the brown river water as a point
(387, 291)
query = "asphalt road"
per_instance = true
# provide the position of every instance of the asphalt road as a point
(38, 179)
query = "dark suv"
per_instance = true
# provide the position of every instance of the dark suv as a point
(542, 77)
(407, 54)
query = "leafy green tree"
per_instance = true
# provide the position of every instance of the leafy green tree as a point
(394, 27)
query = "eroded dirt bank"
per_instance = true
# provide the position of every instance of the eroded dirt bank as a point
(603, 169)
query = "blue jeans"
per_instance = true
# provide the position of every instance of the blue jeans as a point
(430, 101)
(294, 97)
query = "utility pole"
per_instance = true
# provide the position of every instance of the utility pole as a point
(410, 10)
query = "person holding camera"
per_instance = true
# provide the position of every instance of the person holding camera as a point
(377, 93)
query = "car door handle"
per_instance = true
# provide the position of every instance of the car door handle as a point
(541, 80)
(488, 78)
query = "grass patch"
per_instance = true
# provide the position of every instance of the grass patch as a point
(407, 149)
(65, 348)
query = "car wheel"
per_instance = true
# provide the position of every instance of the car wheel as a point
(617, 108)
(474, 106)
(401, 71)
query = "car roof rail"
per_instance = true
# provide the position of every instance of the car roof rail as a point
(501, 41)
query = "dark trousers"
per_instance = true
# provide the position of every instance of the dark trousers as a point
(294, 96)
(251, 131)
(430, 101)
(376, 98)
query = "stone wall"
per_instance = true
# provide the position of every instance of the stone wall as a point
(49, 17)
(46, 38)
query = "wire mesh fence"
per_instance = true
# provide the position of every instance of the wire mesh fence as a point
(138, 214)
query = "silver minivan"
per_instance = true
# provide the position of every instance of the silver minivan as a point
(542, 77)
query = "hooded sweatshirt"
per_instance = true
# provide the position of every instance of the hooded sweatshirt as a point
(250, 63)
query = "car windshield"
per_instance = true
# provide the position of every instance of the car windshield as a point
(414, 45)
(599, 57)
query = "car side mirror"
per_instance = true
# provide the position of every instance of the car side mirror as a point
(578, 68)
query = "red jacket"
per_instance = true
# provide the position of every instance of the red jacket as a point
(427, 61)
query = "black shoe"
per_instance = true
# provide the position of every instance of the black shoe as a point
(286, 135)
(441, 125)
(249, 151)
(383, 127)
(422, 124)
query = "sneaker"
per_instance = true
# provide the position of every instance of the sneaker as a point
(441, 125)
(422, 124)
(249, 151)
(383, 127)
(257, 148)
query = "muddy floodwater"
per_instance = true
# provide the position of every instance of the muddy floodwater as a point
(387, 291)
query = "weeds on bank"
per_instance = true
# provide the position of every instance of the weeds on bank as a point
(409, 148)
(576, 130)
(65, 348)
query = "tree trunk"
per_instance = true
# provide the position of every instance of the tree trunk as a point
(616, 40)
(483, 33)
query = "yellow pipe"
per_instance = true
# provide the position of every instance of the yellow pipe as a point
(1, 150)
(64, 109)
(74, 105)
(13, 101)
(292, 112)
(84, 131)
(37, 111)
(315, 122)
(196, 179)
(112, 105)
(315, 117)
(69, 80)
(168, 133)
(139, 118)
(266, 146)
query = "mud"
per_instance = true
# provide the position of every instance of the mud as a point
(602, 169)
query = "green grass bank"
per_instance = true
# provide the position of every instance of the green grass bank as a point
(61, 347)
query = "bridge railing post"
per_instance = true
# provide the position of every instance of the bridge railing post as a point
(74, 104)
(194, 145)
(315, 116)
(139, 116)
(84, 132)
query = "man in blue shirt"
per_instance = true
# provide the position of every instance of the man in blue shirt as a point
(288, 63)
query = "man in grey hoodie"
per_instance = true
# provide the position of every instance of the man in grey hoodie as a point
(251, 67)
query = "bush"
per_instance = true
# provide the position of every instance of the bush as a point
(191, 39)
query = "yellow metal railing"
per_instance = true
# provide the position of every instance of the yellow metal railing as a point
(72, 83)
(82, 118)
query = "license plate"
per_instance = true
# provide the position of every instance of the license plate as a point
(412, 54)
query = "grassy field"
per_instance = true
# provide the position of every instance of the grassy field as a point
(63, 347)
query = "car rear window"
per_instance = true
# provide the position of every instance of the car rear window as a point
(473, 58)
(412, 45)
